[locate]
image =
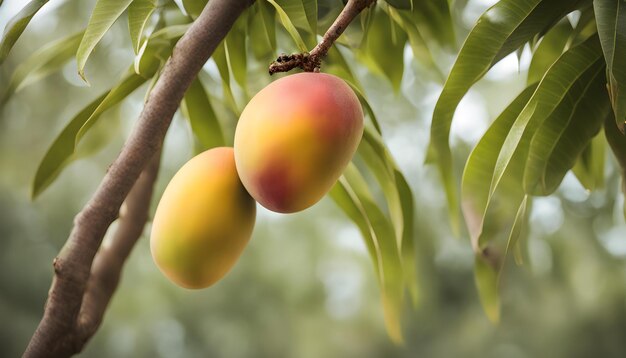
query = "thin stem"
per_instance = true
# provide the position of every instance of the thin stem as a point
(311, 61)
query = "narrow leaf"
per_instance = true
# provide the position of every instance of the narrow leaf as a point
(63, 148)
(589, 168)
(417, 42)
(434, 21)
(352, 207)
(303, 13)
(194, 7)
(288, 25)
(521, 219)
(221, 60)
(481, 164)
(17, 25)
(407, 249)
(262, 30)
(550, 48)
(127, 86)
(41, 63)
(102, 18)
(502, 29)
(486, 278)
(382, 52)
(562, 137)
(401, 4)
(235, 45)
(378, 165)
(390, 261)
(204, 124)
(617, 142)
(139, 12)
(553, 89)
(611, 20)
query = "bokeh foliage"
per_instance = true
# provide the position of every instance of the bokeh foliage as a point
(306, 286)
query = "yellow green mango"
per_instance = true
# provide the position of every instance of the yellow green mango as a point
(295, 138)
(203, 221)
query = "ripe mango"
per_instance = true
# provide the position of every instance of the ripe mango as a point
(295, 138)
(203, 221)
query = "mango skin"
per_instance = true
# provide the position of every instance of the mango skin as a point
(203, 221)
(295, 138)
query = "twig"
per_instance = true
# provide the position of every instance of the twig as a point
(54, 336)
(311, 61)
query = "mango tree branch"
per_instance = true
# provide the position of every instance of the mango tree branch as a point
(311, 61)
(107, 265)
(55, 335)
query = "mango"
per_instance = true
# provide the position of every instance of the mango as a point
(203, 221)
(295, 138)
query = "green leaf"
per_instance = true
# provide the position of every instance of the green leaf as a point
(407, 248)
(368, 108)
(550, 48)
(62, 150)
(418, 45)
(572, 66)
(611, 20)
(389, 259)
(589, 168)
(41, 63)
(502, 29)
(102, 18)
(127, 86)
(521, 219)
(434, 21)
(336, 63)
(262, 30)
(17, 25)
(563, 136)
(480, 166)
(383, 48)
(155, 50)
(488, 267)
(221, 60)
(139, 12)
(617, 142)
(352, 207)
(204, 124)
(585, 27)
(288, 25)
(379, 165)
(486, 277)
(194, 7)
(401, 4)
(303, 13)
(235, 46)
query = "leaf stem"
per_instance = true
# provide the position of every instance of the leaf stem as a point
(311, 61)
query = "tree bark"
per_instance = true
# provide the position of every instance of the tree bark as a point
(72, 292)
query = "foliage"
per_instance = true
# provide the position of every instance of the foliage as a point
(550, 128)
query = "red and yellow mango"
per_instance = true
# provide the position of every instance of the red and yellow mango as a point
(203, 221)
(295, 138)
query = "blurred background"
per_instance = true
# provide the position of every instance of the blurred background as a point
(305, 287)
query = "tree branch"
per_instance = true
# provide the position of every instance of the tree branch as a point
(54, 335)
(311, 61)
(109, 261)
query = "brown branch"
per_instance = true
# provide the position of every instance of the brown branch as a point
(311, 61)
(109, 261)
(73, 264)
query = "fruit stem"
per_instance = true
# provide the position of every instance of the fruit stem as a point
(311, 61)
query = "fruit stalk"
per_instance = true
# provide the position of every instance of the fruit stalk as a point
(311, 61)
(55, 336)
